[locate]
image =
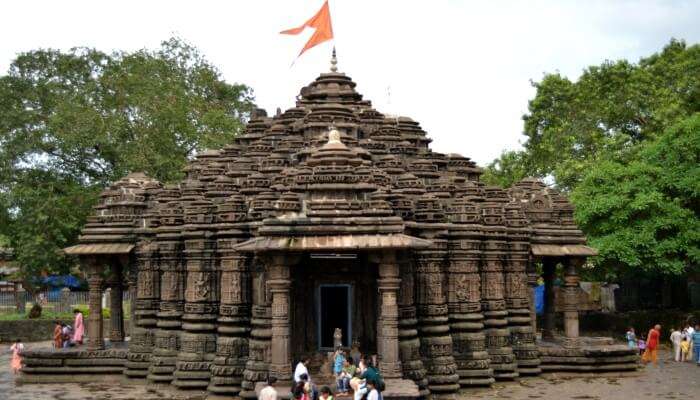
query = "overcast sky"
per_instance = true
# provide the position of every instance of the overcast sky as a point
(460, 68)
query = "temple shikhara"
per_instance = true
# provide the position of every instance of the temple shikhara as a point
(330, 217)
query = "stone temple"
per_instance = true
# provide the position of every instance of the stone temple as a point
(330, 215)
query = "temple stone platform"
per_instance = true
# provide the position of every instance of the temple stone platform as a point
(586, 355)
(74, 365)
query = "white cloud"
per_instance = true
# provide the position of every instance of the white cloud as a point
(461, 68)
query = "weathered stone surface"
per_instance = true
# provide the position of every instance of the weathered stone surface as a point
(227, 266)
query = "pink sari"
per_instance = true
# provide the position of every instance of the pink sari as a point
(79, 329)
(16, 362)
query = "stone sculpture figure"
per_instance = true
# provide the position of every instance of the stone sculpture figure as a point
(337, 338)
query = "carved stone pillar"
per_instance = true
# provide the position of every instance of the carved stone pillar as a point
(234, 311)
(409, 344)
(571, 284)
(549, 270)
(145, 306)
(94, 326)
(388, 283)
(198, 336)
(532, 286)
(116, 317)
(279, 284)
(258, 364)
(172, 288)
(433, 328)
(464, 297)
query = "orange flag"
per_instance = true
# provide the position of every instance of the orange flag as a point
(322, 22)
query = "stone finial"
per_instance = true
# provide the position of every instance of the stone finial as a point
(334, 62)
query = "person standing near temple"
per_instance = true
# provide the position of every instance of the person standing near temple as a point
(338, 363)
(676, 337)
(78, 327)
(301, 369)
(685, 349)
(16, 362)
(57, 335)
(695, 344)
(651, 353)
(631, 338)
(689, 334)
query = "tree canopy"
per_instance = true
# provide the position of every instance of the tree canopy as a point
(609, 110)
(619, 141)
(71, 122)
(645, 213)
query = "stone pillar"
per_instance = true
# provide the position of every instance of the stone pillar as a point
(172, 288)
(279, 285)
(571, 283)
(433, 323)
(258, 364)
(464, 299)
(94, 325)
(116, 332)
(532, 286)
(409, 344)
(548, 275)
(388, 284)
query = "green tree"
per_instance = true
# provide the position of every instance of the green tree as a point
(605, 114)
(506, 170)
(71, 122)
(645, 213)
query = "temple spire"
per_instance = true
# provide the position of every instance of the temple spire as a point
(334, 62)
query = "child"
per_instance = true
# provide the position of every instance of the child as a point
(685, 349)
(16, 363)
(631, 338)
(338, 363)
(348, 374)
(372, 392)
(642, 345)
(326, 393)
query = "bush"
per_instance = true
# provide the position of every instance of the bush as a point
(35, 312)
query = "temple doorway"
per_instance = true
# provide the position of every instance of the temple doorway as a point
(334, 311)
(333, 293)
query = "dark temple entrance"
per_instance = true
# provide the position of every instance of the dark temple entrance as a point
(333, 293)
(334, 311)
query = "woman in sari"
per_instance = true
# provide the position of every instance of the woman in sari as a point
(57, 335)
(78, 327)
(16, 362)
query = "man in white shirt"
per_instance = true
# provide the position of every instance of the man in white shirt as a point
(689, 332)
(301, 369)
(676, 337)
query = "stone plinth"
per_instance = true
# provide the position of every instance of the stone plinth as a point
(593, 355)
(73, 365)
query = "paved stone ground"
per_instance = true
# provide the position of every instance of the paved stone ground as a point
(669, 381)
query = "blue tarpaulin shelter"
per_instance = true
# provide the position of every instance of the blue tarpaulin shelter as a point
(62, 281)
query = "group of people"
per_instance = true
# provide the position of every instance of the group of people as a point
(686, 344)
(359, 375)
(65, 336)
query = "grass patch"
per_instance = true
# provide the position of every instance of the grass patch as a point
(65, 317)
